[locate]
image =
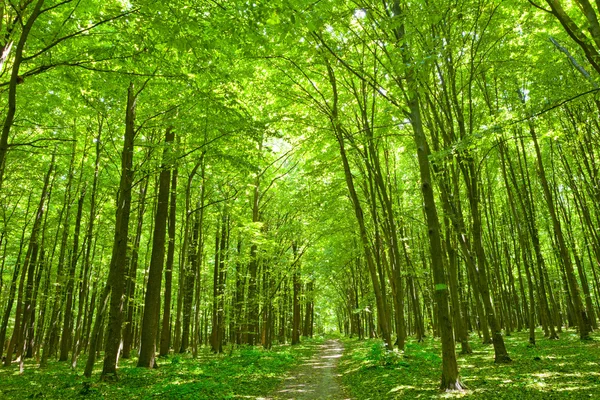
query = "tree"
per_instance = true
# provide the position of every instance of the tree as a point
(115, 284)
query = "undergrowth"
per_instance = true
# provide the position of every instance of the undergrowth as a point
(555, 369)
(246, 372)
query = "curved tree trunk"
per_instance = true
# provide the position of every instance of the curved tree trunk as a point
(12, 86)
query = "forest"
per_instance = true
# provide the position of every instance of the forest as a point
(308, 199)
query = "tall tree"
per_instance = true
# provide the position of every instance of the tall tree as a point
(116, 277)
(152, 299)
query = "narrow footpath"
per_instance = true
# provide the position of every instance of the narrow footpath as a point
(316, 378)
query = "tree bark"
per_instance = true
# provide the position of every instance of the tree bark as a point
(68, 316)
(339, 134)
(130, 288)
(582, 318)
(12, 86)
(22, 313)
(165, 337)
(296, 299)
(87, 258)
(152, 299)
(450, 376)
(116, 277)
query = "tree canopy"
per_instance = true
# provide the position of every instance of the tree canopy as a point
(218, 174)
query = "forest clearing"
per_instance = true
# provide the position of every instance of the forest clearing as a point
(299, 199)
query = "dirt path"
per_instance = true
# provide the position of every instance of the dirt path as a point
(316, 378)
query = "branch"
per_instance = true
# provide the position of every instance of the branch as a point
(81, 63)
(128, 73)
(145, 83)
(203, 145)
(277, 178)
(574, 62)
(153, 116)
(221, 6)
(33, 142)
(285, 155)
(544, 111)
(354, 72)
(89, 28)
(62, 3)
(213, 203)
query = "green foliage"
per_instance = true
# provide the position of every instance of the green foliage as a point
(563, 369)
(378, 355)
(244, 372)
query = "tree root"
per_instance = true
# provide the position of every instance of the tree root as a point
(454, 386)
(502, 359)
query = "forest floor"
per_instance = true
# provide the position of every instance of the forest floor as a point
(242, 373)
(317, 378)
(331, 369)
(554, 369)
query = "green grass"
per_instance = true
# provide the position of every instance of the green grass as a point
(245, 373)
(563, 369)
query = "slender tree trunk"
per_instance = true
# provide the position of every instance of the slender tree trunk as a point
(191, 267)
(129, 301)
(450, 376)
(472, 181)
(87, 259)
(459, 328)
(22, 313)
(527, 205)
(189, 284)
(216, 337)
(165, 337)
(240, 285)
(309, 312)
(252, 317)
(12, 85)
(523, 244)
(152, 299)
(68, 318)
(339, 133)
(116, 277)
(582, 318)
(52, 335)
(95, 335)
(13, 285)
(296, 299)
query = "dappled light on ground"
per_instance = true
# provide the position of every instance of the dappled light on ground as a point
(564, 369)
(244, 373)
(316, 378)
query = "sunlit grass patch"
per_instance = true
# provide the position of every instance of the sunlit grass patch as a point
(567, 368)
(247, 372)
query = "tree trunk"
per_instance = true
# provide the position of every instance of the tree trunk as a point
(87, 260)
(296, 299)
(152, 299)
(22, 313)
(252, 308)
(582, 318)
(68, 318)
(116, 276)
(130, 285)
(95, 335)
(12, 85)
(191, 266)
(375, 279)
(165, 337)
(450, 375)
